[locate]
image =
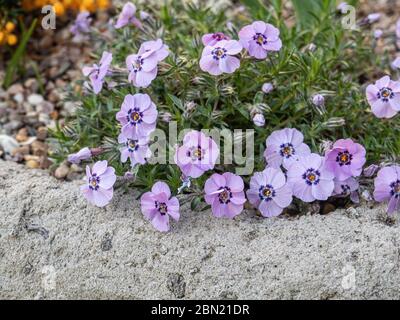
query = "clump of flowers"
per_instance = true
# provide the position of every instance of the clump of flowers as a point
(270, 81)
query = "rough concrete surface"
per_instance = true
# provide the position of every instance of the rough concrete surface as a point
(54, 245)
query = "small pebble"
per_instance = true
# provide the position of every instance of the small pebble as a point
(62, 171)
(22, 135)
(32, 164)
(35, 99)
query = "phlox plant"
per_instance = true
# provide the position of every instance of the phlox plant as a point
(302, 88)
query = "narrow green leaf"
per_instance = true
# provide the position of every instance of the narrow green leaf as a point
(12, 66)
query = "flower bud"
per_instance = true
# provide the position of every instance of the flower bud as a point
(267, 87)
(259, 120)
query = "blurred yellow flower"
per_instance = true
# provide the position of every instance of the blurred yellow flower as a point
(10, 26)
(12, 39)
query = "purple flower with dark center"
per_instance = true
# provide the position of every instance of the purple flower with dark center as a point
(345, 159)
(127, 17)
(134, 148)
(197, 155)
(82, 154)
(143, 65)
(81, 26)
(221, 58)
(224, 192)
(137, 116)
(384, 97)
(157, 206)
(100, 181)
(97, 73)
(346, 188)
(211, 39)
(309, 178)
(284, 147)
(387, 188)
(259, 38)
(269, 192)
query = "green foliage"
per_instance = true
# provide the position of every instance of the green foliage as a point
(18, 55)
(340, 68)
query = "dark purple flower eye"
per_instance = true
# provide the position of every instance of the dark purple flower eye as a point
(344, 158)
(287, 150)
(311, 176)
(385, 94)
(260, 39)
(267, 192)
(395, 188)
(225, 196)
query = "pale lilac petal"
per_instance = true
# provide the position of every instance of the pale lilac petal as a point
(234, 182)
(269, 209)
(144, 79)
(161, 222)
(210, 65)
(232, 210)
(108, 178)
(256, 50)
(102, 197)
(253, 196)
(161, 187)
(100, 167)
(218, 209)
(383, 109)
(273, 46)
(323, 190)
(173, 208)
(395, 102)
(283, 197)
(246, 34)
(229, 64)
(271, 32)
(259, 27)
(214, 183)
(272, 156)
(238, 198)
(233, 47)
(302, 191)
(275, 177)
(394, 205)
(150, 115)
(383, 82)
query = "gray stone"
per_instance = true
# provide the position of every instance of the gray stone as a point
(341, 255)
(8, 143)
(35, 99)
